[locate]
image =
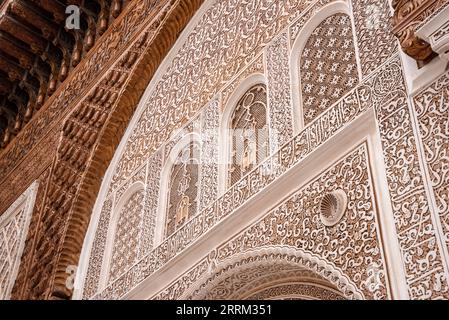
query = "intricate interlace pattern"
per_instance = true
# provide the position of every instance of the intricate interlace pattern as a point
(432, 106)
(126, 238)
(328, 65)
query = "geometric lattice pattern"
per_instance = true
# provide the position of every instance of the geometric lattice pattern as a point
(183, 194)
(13, 231)
(126, 238)
(328, 65)
(249, 131)
(9, 243)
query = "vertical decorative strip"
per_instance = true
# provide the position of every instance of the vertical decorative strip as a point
(421, 252)
(209, 154)
(279, 98)
(375, 41)
(97, 251)
(151, 203)
(432, 108)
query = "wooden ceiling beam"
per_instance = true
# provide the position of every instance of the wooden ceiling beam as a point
(55, 7)
(32, 15)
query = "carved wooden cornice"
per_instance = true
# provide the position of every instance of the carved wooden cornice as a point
(408, 17)
(101, 98)
(38, 52)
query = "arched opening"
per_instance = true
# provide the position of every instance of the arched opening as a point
(182, 202)
(274, 273)
(228, 135)
(122, 243)
(179, 187)
(248, 133)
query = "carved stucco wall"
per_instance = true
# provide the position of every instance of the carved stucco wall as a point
(126, 238)
(222, 48)
(14, 224)
(432, 107)
(352, 245)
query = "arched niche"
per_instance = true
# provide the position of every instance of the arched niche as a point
(125, 220)
(336, 8)
(225, 129)
(191, 139)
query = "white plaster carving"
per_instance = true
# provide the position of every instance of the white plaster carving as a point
(14, 225)
(376, 112)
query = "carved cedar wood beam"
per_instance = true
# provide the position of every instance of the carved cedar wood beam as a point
(408, 16)
(90, 136)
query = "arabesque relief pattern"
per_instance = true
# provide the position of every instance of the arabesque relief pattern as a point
(97, 251)
(353, 245)
(151, 204)
(279, 94)
(262, 280)
(375, 42)
(209, 154)
(203, 66)
(203, 280)
(385, 92)
(302, 228)
(255, 181)
(432, 107)
(10, 240)
(421, 249)
(296, 291)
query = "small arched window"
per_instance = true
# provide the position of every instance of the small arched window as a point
(249, 133)
(183, 188)
(125, 244)
(328, 65)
